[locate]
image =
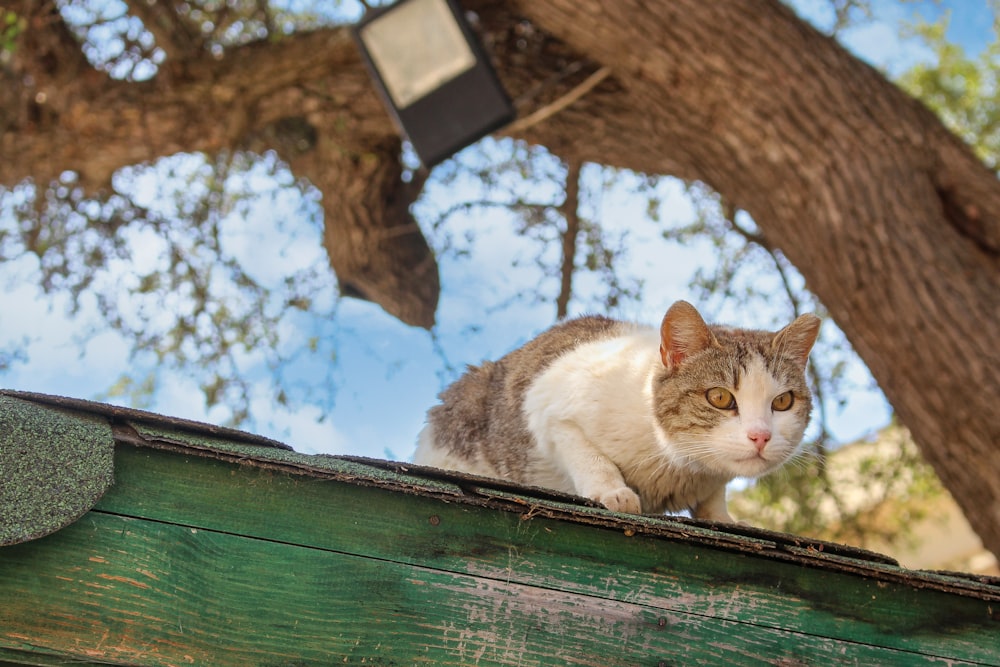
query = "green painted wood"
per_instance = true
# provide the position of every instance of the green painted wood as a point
(670, 577)
(130, 591)
(10, 657)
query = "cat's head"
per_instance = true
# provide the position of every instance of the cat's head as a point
(732, 402)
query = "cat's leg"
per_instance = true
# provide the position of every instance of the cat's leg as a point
(594, 475)
(713, 508)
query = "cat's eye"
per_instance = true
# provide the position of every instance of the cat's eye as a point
(720, 397)
(783, 402)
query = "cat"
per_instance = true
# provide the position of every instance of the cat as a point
(640, 420)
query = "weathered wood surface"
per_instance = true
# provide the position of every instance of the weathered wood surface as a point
(193, 560)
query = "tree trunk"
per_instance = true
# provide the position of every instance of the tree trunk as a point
(893, 222)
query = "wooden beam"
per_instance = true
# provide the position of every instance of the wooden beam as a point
(194, 560)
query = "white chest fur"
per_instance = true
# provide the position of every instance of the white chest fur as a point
(591, 415)
(601, 388)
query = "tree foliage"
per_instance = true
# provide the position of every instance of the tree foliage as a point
(869, 494)
(164, 262)
(962, 89)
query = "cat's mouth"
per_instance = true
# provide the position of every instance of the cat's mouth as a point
(753, 464)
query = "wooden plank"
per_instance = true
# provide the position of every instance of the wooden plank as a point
(9, 658)
(673, 577)
(130, 591)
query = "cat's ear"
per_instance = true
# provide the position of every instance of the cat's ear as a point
(682, 334)
(797, 339)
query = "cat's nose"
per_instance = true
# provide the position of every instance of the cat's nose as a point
(759, 438)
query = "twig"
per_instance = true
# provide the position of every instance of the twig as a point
(558, 105)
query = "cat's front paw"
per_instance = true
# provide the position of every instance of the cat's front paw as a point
(623, 499)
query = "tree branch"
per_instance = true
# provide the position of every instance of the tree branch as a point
(172, 33)
(214, 107)
(374, 244)
(551, 109)
(570, 210)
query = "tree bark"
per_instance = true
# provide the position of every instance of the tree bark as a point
(374, 244)
(892, 221)
(570, 210)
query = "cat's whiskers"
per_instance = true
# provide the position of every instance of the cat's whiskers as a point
(706, 452)
(663, 461)
(803, 459)
(653, 457)
(702, 450)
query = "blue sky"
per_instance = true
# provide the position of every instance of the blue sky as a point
(387, 374)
